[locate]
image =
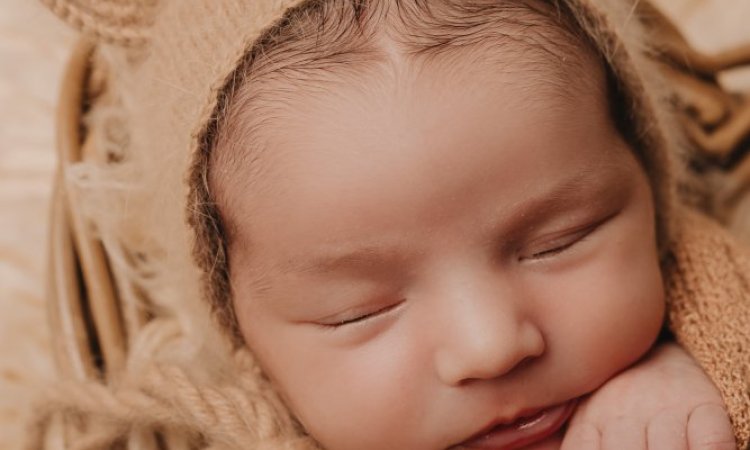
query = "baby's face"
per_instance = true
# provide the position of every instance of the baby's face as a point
(428, 255)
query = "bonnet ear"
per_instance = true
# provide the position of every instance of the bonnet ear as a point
(119, 22)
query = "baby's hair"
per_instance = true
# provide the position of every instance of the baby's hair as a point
(322, 43)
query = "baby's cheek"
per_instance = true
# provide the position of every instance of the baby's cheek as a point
(608, 317)
(349, 398)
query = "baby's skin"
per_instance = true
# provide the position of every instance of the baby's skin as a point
(428, 254)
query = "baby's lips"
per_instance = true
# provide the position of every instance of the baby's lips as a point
(523, 431)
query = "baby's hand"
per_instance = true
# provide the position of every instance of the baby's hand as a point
(664, 402)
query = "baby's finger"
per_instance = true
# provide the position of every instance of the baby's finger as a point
(667, 431)
(709, 428)
(624, 434)
(582, 436)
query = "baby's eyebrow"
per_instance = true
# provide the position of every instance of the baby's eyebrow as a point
(370, 259)
(591, 189)
(564, 192)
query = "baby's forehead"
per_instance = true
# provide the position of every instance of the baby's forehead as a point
(294, 110)
(432, 50)
(416, 142)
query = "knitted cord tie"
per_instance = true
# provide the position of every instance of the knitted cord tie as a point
(165, 398)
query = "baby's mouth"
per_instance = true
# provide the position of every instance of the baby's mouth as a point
(524, 431)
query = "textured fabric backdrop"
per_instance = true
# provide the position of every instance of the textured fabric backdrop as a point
(33, 50)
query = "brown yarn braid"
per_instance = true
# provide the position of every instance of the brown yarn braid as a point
(242, 415)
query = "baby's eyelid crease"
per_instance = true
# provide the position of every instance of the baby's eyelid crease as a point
(568, 241)
(558, 249)
(363, 317)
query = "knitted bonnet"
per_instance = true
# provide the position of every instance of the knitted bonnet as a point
(160, 75)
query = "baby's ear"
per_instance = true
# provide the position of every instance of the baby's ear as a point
(118, 22)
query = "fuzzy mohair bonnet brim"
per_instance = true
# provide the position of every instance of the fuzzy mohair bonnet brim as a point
(165, 66)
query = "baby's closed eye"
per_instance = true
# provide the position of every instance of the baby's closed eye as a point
(359, 315)
(549, 246)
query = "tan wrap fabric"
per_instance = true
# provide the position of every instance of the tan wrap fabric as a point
(708, 285)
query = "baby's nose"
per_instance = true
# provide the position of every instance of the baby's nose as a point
(487, 335)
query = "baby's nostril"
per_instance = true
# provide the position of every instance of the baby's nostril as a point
(527, 361)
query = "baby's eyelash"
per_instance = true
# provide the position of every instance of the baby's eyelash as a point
(556, 250)
(576, 238)
(363, 317)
